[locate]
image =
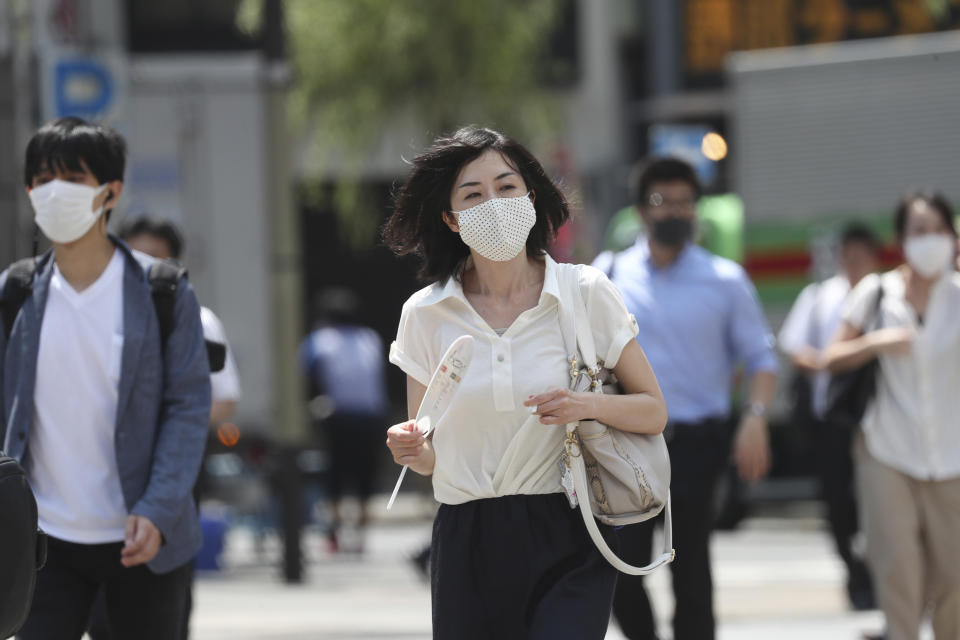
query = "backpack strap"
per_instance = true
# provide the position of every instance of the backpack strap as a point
(16, 290)
(164, 277)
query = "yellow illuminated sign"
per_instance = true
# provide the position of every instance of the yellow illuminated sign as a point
(714, 28)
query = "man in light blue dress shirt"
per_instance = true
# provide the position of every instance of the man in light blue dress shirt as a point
(699, 321)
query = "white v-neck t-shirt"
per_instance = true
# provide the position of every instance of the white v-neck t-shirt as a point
(912, 424)
(488, 444)
(72, 461)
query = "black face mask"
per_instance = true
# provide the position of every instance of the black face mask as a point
(672, 231)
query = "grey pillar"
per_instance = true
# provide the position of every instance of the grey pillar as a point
(663, 24)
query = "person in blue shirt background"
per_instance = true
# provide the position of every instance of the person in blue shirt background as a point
(344, 363)
(699, 320)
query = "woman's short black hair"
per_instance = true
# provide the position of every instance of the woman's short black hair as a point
(156, 227)
(934, 199)
(663, 170)
(416, 225)
(64, 142)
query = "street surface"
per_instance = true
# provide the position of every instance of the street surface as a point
(775, 578)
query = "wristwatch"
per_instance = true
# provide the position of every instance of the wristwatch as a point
(757, 409)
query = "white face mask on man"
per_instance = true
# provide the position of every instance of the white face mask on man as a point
(64, 210)
(498, 228)
(930, 254)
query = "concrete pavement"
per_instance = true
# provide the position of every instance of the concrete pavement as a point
(775, 578)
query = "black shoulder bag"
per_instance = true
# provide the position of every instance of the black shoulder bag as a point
(851, 391)
(23, 547)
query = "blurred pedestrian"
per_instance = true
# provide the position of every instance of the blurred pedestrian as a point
(343, 362)
(162, 239)
(107, 415)
(510, 558)
(907, 454)
(810, 326)
(699, 318)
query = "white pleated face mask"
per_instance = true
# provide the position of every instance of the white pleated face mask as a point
(930, 254)
(65, 209)
(498, 228)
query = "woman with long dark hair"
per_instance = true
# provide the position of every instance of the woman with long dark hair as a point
(510, 557)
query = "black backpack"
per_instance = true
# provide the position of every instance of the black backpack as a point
(23, 548)
(163, 275)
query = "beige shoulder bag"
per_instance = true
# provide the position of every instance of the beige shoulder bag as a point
(625, 476)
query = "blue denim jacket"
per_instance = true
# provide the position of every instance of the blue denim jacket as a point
(163, 402)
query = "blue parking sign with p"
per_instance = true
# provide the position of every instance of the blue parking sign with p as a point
(82, 87)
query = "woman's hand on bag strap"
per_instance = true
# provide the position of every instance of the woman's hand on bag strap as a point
(561, 406)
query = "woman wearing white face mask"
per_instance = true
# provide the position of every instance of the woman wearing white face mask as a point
(510, 558)
(908, 454)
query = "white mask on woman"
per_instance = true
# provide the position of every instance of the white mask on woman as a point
(498, 228)
(65, 209)
(930, 254)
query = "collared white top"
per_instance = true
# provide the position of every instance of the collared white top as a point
(913, 423)
(488, 444)
(813, 322)
(72, 461)
(224, 384)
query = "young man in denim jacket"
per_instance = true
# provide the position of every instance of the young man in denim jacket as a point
(108, 418)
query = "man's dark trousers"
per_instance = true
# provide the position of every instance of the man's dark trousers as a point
(699, 453)
(140, 603)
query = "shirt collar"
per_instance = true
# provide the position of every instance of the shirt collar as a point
(454, 289)
(643, 245)
(551, 283)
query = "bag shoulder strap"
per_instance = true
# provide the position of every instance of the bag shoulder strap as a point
(579, 337)
(612, 267)
(164, 277)
(16, 290)
(573, 314)
(875, 319)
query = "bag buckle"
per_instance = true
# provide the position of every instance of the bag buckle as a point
(595, 383)
(572, 445)
(574, 369)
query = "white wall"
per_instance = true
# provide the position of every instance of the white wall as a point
(845, 128)
(196, 136)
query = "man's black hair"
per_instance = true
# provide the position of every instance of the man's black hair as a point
(66, 144)
(156, 227)
(859, 233)
(663, 170)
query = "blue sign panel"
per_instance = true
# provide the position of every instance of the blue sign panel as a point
(82, 87)
(684, 142)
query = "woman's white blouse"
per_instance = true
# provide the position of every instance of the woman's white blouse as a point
(489, 444)
(913, 423)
